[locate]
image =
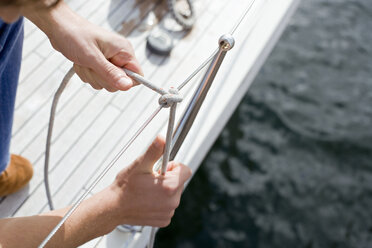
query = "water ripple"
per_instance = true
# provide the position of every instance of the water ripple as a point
(293, 168)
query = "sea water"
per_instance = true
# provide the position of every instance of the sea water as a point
(293, 167)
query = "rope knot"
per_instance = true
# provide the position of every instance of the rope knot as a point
(173, 96)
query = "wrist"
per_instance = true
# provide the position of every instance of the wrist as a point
(118, 210)
(105, 208)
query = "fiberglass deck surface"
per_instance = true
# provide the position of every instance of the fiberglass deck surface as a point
(92, 126)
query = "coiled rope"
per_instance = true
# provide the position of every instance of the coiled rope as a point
(186, 20)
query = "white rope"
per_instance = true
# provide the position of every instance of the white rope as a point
(99, 178)
(57, 95)
(145, 82)
(171, 121)
(168, 99)
(171, 100)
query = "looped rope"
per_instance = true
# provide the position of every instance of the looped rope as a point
(167, 100)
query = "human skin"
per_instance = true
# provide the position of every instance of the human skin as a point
(97, 53)
(9, 14)
(136, 197)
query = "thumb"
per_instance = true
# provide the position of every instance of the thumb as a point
(152, 154)
(111, 74)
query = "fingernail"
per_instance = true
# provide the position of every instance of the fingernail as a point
(125, 82)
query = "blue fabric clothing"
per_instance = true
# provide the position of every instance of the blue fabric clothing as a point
(11, 41)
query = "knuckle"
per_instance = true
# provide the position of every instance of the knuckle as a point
(82, 78)
(126, 43)
(170, 190)
(76, 67)
(131, 49)
(89, 55)
(111, 76)
(81, 74)
(96, 87)
(175, 203)
(128, 52)
(188, 171)
(109, 70)
(165, 223)
(111, 90)
(171, 214)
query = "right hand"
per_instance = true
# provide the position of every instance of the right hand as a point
(145, 198)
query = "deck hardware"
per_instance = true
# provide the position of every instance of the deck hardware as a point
(173, 139)
(226, 42)
(160, 42)
(183, 12)
(193, 107)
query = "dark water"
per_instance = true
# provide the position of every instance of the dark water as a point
(293, 167)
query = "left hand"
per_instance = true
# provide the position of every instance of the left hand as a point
(97, 53)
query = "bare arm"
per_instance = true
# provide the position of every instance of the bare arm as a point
(90, 220)
(137, 197)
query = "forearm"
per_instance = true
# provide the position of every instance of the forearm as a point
(97, 54)
(92, 219)
(55, 19)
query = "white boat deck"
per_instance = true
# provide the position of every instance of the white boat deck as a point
(91, 126)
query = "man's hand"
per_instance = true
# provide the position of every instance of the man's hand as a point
(145, 198)
(97, 53)
(137, 197)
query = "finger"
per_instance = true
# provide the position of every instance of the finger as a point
(180, 170)
(89, 76)
(127, 60)
(94, 78)
(96, 86)
(85, 77)
(121, 53)
(110, 74)
(172, 165)
(122, 60)
(79, 71)
(153, 153)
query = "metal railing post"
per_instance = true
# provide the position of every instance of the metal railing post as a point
(226, 42)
